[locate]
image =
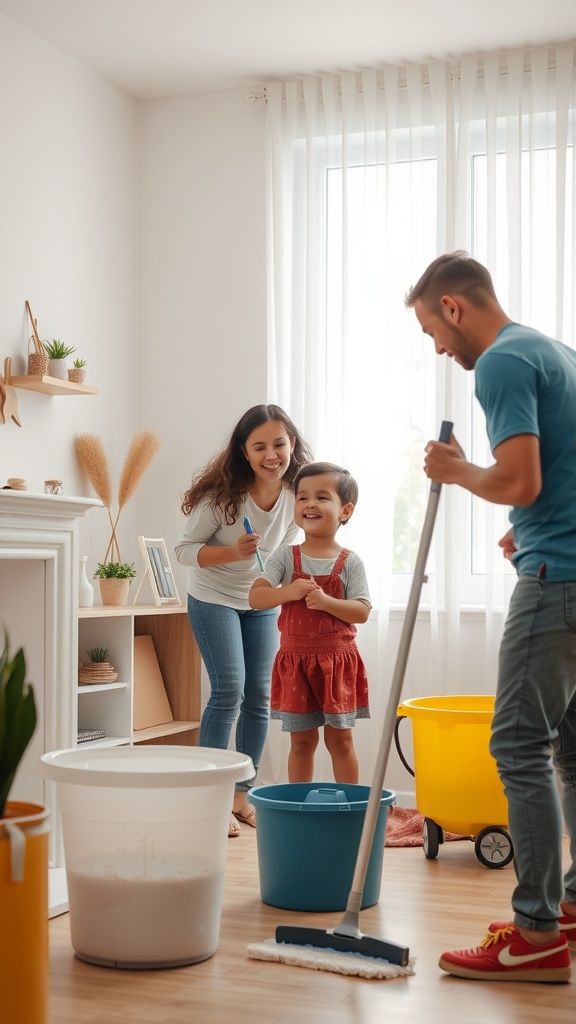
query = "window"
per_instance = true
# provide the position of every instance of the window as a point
(538, 308)
(369, 333)
(366, 339)
(371, 176)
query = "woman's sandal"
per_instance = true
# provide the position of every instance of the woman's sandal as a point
(246, 819)
(233, 827)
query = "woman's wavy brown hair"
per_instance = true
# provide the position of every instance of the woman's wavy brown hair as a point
(228, 477)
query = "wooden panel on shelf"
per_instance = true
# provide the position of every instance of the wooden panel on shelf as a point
(151, 707)
(177, 731)
(179, 660)
(51, 385)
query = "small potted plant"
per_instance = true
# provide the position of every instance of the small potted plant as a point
(23, 857)
(77, 375)
(115, 580)
(98, 669)
(57, 353)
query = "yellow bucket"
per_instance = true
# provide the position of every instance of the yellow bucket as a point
(457, 784)
(24, 914)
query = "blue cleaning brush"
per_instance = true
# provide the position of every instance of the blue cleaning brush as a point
(248, 528)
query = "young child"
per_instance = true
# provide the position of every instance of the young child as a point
(318, 677)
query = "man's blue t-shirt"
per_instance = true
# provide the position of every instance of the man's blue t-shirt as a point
(526, 384)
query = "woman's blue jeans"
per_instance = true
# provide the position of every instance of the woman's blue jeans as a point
(238, 649)
(533, 732)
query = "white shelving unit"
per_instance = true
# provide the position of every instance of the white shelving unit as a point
(110, 706)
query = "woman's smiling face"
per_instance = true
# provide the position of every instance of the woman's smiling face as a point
(269, 450)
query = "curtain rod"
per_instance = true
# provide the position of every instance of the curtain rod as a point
(452, 65)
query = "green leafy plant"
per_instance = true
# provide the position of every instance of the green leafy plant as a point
(115, 571)
(98, 654)
(79, 364)
(17, 717)
(56, 349)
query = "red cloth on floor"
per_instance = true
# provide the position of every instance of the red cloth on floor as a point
(404, 828)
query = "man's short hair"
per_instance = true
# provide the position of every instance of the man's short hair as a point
(454, 273)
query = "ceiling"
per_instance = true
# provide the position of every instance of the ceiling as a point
(154, 48)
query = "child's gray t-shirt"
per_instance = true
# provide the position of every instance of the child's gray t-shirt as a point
(279, 567)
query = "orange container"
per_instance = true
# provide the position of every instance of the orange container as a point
(457, 784)
(24, 913)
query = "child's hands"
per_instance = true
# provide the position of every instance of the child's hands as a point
(301, 588)
(316, 599)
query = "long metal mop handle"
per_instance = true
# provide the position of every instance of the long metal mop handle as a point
(350, 919)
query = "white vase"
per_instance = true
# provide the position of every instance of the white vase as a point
(58, 368)
(85, 588)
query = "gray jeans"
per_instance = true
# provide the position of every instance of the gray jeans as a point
(533, 732)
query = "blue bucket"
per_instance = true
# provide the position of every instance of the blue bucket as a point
(308, 837)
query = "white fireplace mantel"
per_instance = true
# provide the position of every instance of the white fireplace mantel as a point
(39, 563)
(59, 506)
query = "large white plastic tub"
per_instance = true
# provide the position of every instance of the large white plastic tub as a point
(145, 833)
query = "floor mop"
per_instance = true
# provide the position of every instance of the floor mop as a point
(344, 949)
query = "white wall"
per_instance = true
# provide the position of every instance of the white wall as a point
(68, 245)
(202, 330)
(202, 350)
(137, 232)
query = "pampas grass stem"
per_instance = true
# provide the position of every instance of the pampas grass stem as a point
(92, 458)
(143, 447)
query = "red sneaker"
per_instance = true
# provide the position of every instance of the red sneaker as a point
(505, 956)
(566, 924)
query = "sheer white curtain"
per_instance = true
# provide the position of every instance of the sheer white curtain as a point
(370, 176)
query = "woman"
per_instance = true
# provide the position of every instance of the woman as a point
(245, 487)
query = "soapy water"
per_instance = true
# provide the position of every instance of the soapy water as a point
(170, 915)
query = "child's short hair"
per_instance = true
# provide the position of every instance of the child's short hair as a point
(346, 486)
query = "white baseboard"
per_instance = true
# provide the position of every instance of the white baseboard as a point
(57, 892)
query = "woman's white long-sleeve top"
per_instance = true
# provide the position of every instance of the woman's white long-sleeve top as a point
(229, 584)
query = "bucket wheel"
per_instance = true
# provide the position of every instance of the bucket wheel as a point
(493, 847)
(432, 837)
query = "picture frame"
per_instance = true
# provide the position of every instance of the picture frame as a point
(159, 570)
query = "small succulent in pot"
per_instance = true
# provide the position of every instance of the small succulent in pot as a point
(98, 654)
(77, 374)
(17, 717)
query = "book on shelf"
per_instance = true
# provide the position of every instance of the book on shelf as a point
(85, 735)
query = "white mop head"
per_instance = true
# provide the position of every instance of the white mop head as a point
(326, 960)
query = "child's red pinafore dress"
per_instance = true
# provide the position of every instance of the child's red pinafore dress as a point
(318, 677)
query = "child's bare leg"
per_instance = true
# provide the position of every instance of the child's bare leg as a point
(301, 758)
(340, 746)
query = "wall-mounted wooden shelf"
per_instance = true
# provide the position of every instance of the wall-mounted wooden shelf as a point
(51, 385)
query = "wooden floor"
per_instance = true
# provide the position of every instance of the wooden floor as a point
(426, 905)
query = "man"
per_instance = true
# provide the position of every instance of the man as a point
(526, 385)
